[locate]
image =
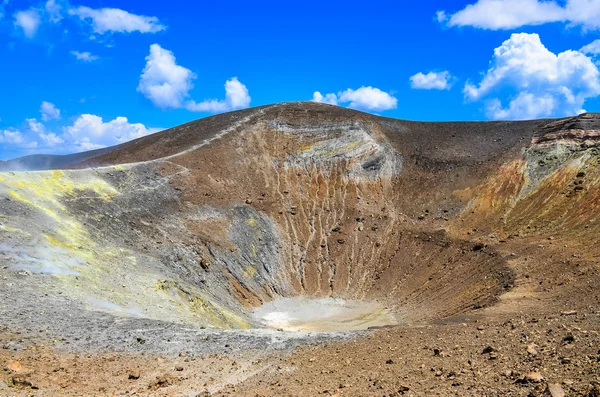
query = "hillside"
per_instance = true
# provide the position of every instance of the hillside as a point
(326, 219)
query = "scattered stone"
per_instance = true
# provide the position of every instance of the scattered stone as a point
(569, 313)
(20, 382)
(532, 377)
(554, 390)
(570, 338)
(133, 374)
(15, 367)
(160, 382)
(478, 247)
(507, 373)
(532, 349)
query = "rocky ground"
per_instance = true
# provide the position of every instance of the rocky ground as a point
(552, 355)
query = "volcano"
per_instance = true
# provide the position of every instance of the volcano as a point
(305, 232)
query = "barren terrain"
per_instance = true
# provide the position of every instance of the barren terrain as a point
(306, 249)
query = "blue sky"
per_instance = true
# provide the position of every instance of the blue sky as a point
(83, 74)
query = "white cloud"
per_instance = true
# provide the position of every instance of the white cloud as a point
(236, 97)
(84, 56)
(3, 5)
(431, 81)
(592, 48)
(54, 11)
(34, 126)
(29, 21)
(51, 139)
(164, 82)
(90, 132)
(168, 84)
(441, 16)
(116, 20)
(328, 98)
(87, 132)
(13, 137)
(543, 83)
(49, 111)
(510, 14)
(364, 98)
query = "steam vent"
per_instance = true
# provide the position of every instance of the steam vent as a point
(282, 234)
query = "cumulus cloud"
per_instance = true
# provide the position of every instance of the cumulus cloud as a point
(431, 81)
(105, 20)
(101, 20)
(592, 48)
(90, 132)
(164, 82)
(84, 56)
(49, 111)
(87, 132)
(28, 21)
(510, 14)
(167, 85)
(544, 84)
(364, 98)
(328, 98)
(35, 129)
(236, 97)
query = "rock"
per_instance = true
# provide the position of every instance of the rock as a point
(15, 367)
(480, 328)
(554, 390)
(179, 368)
(161, 381)
(532, 349)
(20, 382)
(390, 361)
(403, 389)
(182, 354)
(565, 360)
(570, 338)
(569, 313)
(507, 373)
(133, 374)
(532, 377)
(341, 241)
(204, 393)
(248, 201)
(488, 350)
(478, 247)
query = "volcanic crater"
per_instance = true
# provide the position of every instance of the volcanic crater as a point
(298, 223)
